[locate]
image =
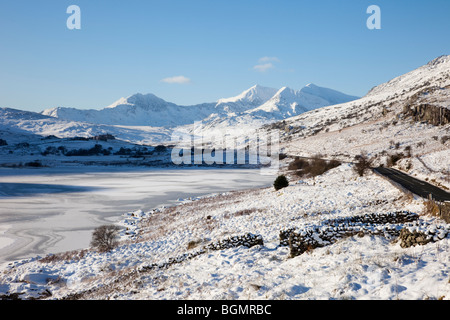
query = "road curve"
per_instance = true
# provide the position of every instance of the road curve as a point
(416, 186)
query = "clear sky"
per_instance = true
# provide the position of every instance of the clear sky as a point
(195, 51)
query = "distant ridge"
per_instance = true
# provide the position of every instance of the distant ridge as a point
(150, 110)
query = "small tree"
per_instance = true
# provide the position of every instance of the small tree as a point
(104, 238)
(280, 182)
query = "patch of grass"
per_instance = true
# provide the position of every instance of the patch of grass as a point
(193, 244)
(436, 209)
(65, 256)
(243, 212)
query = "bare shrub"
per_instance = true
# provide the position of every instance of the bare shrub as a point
(420, 144)
(362, 164)
(408, 150)
(243, 212)
(317, 166)
(298, 164)
(394, 158)
(313, 167)
(105, 238)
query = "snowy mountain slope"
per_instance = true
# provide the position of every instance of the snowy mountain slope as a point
(305, 112)
(288, 102)
(253, 97)
(435, 73)
(386, 99)
(136, 110)
(393, 94)
(284, 102)
(240, 117)
(331, 96)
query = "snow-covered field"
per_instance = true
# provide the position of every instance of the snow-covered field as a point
(357, 267)
(48, 210)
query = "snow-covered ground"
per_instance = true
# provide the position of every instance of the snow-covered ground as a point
(425, 155)
(367, 267)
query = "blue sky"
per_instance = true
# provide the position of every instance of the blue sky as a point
(195, 51)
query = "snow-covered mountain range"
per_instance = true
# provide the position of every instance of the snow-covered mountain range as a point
(149, 110)
(148, 119)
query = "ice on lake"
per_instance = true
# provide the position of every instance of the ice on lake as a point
(50, 210)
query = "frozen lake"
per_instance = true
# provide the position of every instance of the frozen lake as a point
(50, 210)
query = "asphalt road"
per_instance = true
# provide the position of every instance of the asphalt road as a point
(416, 186)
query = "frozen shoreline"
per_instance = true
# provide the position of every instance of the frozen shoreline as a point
(50, 210)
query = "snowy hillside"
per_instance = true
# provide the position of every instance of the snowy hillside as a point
(380, 124)
(434, 73)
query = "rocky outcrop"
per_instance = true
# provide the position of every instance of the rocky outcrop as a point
(428, 113)
(409, 237)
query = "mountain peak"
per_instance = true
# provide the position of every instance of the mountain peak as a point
(140, 100)
(144, 99)
(285, 92)
(254, 95)
(439, 60)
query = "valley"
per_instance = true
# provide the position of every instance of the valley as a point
(331, 233)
